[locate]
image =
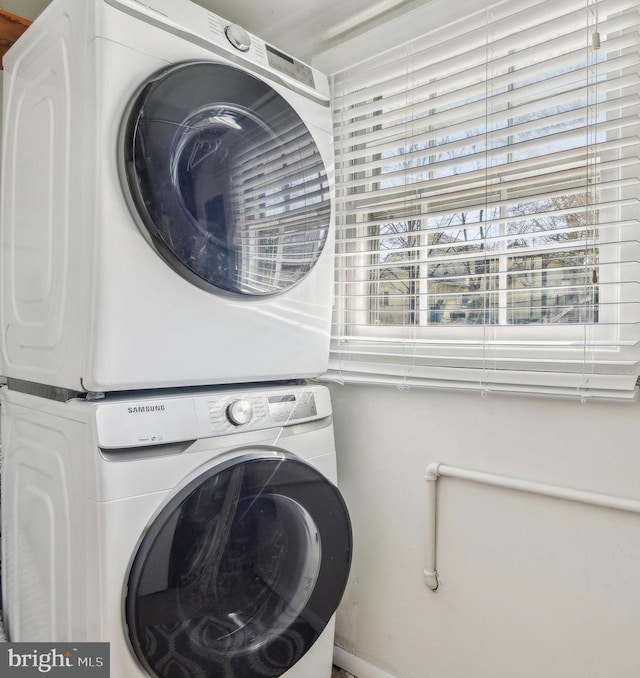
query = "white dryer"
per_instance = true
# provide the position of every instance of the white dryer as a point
(200, 534)
(166, 202)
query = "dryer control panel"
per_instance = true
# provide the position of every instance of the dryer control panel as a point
(126, 422)
(199, 24)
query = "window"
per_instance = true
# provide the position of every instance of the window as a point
(488, 202)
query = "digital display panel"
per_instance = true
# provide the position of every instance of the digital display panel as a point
(290, 398)
(289, 66)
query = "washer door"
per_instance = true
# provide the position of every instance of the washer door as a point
(240, 572)
(225, 179)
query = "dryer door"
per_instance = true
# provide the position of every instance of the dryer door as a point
(225, 180)
(240, 571)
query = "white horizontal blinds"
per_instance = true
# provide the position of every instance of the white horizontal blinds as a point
(488, 193)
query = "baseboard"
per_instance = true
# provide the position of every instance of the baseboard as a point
(357, 666)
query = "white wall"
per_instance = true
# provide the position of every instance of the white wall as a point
(531, 587)
(29, 9)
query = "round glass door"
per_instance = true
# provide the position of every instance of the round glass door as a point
(240, 572)
(225, 180)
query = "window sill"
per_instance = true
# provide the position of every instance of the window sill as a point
(578, 386)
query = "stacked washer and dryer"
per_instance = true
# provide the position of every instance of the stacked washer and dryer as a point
(168, 480)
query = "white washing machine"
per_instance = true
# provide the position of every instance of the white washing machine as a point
(201, 534)
(166, 202)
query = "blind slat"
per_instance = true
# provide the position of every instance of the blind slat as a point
(455, 103)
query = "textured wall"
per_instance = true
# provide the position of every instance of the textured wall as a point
(530, 586)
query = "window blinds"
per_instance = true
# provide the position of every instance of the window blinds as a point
(488, 213)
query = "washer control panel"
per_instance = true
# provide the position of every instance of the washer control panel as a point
(254, 411)
(240, 412)
(125, 422)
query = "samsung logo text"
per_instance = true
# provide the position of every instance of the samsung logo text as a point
(140, 409)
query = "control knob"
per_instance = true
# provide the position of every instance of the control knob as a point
(238, 37)
(239, 412)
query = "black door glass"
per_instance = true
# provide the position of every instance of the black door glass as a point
(226, 179)
(240, 572)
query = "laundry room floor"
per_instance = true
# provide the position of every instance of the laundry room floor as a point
(340, 673)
